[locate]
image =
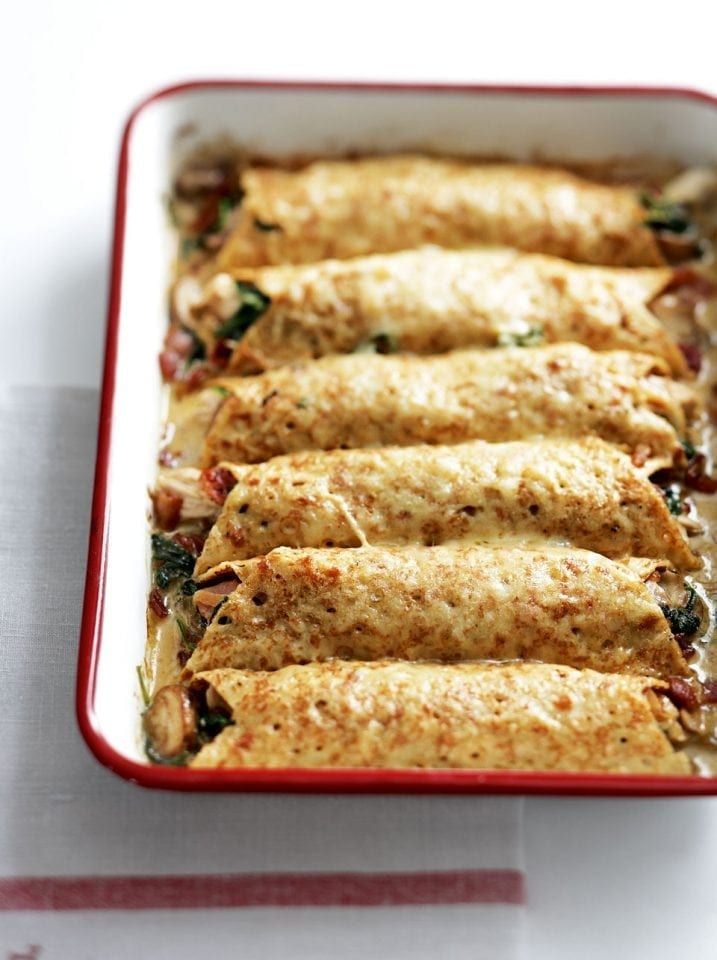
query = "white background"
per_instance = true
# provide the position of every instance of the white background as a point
(634, 878)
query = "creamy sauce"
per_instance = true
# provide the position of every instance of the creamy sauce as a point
(704, 750)
(163, 646)
(188, 419)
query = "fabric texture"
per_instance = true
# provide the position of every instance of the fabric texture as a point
(94, 867)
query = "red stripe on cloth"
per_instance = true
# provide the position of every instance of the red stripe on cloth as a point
(262, 890)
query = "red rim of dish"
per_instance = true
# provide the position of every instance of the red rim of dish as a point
(333, 780)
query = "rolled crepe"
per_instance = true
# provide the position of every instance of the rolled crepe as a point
(480, 716)
(432, 300)
(340, 209)
(440, 603)
(364, 401)
(584, 493)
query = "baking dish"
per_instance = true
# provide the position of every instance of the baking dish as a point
(291, 118)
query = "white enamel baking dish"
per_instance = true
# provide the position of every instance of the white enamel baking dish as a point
(288, 118)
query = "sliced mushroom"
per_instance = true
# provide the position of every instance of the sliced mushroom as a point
(170, 723)
(691, 524)
(656, 589)
(674, 588)
(692, 186)
(186, 296)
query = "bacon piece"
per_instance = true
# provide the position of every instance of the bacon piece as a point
(178, 346)
(197, 375)
(179, 341)
(696, 476)
(192, 543)
(157, 604)
(207, 598)
(207, 216)
(682, 693)
(691, 286)
(692, 355)
(216, 483)
(169, 364)
(221, 353)
(167, 509)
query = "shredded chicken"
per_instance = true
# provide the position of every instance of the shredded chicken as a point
(184, 482)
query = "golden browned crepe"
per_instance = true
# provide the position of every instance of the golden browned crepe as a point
(432, 300)
(585, 493)
(365, 401)
(480, 716)
(346, 209)
(441, 603)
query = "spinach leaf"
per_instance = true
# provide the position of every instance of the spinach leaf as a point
(532, 337)
(252, 304)
(673, 499)
(174, 562)
(683, 620)
(186, 639)
(212, 723)
(689, 448)
(664, 215)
